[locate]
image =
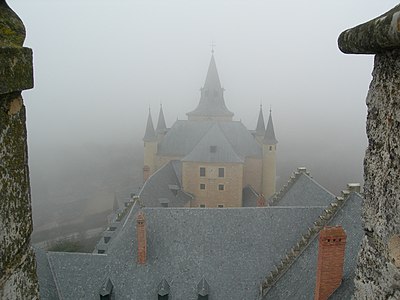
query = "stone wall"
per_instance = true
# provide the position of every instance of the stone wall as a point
(17, 263)
(377, 276)
(211, 196)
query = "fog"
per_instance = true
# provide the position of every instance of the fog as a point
(99, 65)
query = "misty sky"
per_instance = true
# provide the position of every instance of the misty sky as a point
(100, 64)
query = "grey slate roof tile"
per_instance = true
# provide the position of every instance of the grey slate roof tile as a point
(158, 187)
(223, 151)
(232, 249)
(299, 281)
(183, 136)
(305, 191)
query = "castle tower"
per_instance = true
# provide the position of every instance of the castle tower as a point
(150, 149)
(269, 160)
(212, 104)
(161, 129)
(260, 129)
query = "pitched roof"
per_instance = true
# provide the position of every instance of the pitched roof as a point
(161, 125)
(249, 197)
(212, 103)
(299, 281)
(303, 190)
(269, 137)
(150, 134)
(260, 129)
(213, 147)
(184, 135)
(232, 249)
(160, 187)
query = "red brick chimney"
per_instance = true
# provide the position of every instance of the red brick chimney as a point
(332, 243)
(146, 173)
(141, 238)
(261, 201)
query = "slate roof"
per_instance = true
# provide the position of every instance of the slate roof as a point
(260, 128)
(184, 135)
(222, 152)
(232, 249)
(269, 137)
(299, 281)
(249, 197)
(212, 103)
(164, 186)
(150, 134)
(161, 125)
(303, 190)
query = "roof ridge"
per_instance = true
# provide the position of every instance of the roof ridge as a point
(306, 239)
(292, 180)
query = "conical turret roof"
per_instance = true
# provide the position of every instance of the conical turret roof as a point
(212, 103)
(150, 134)
(260, 129)
(161, 125)
(269, 137)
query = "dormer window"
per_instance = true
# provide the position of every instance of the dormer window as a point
(213, 149)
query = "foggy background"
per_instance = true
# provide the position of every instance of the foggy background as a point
(99, 65)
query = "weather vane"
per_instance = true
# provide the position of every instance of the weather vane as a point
(212, 46)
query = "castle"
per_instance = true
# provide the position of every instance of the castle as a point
(219, 158)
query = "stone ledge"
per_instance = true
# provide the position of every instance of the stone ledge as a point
(16, 69)
(376, 36)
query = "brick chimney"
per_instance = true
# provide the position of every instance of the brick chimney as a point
(146, 173)
(261, 201)
(141, 238)
(332, 243)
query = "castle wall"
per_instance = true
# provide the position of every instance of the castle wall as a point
(252, 173)
(377, 274)
(269, 170)
(211, 196)
(17, 262)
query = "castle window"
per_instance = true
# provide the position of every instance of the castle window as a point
(202, 186)
(220, 205)
(270, 148)
(202, 205)
(221, 172)
(213, 149)
(202, 171)
(164, 204)
(221, 187)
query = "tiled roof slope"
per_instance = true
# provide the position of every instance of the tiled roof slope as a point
(183, 136)
(164, 186)
(299, 281)
(223, 151)
(303, 190)
(249, 197)
(232, 249)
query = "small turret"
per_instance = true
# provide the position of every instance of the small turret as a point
(150, 149)
(269, 160)
(260, 129)
(161, 129)
(150, 134)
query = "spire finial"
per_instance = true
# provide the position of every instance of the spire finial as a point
(212, 47)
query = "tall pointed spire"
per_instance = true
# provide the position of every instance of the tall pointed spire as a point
(161, 126)
(212, 104)
(269, 137)
(150, 134)
(260, 129)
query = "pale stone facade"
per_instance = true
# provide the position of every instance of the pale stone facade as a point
(216, 188)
